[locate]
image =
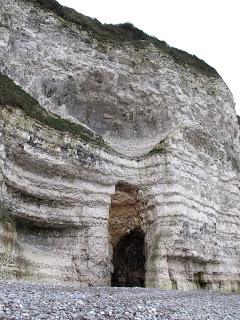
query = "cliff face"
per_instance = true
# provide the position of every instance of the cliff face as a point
(132, 140)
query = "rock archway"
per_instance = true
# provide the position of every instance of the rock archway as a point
(127, 237)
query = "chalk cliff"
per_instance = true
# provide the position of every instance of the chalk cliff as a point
(119, 156)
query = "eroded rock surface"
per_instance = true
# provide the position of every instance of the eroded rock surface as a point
(113, 115)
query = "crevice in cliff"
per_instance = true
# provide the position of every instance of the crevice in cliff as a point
(129, 261)
(127, 237)
(199, 280)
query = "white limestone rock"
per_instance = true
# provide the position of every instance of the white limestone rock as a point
(169, 132)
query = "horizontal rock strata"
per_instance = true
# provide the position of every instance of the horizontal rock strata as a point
(123, 138)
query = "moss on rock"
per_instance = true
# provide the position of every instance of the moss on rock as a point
(13, 95)
(159, 149)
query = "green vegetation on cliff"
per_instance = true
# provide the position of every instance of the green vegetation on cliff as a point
(123, 33)
(159, 149)
(13, 95)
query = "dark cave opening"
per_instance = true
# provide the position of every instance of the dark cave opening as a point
(129, 261)
(199, 280)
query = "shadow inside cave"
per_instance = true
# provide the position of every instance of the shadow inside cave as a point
(129, 261)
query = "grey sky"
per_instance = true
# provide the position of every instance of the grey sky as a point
(206, 28)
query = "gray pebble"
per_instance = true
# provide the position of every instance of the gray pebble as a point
(22, 301)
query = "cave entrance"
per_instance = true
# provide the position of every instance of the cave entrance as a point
(127, 237)
(129, 261)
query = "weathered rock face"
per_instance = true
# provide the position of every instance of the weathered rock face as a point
(129, 141)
